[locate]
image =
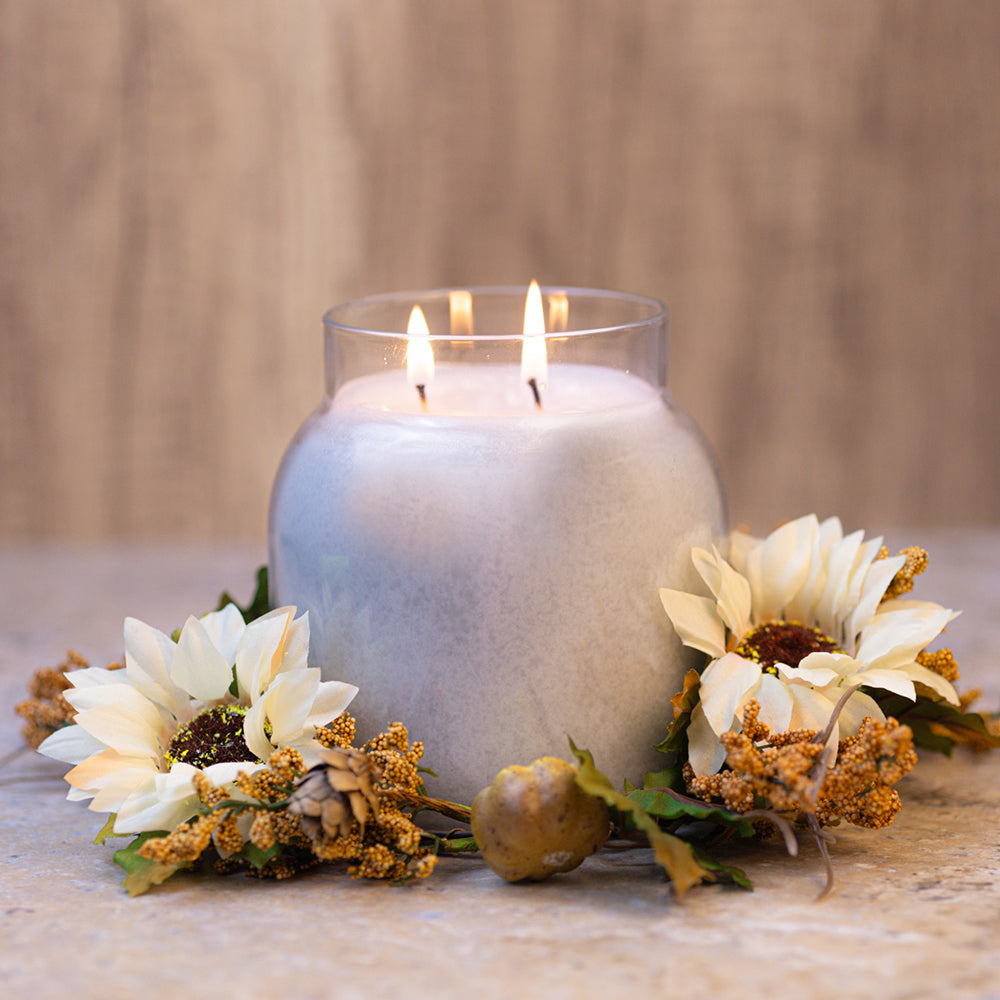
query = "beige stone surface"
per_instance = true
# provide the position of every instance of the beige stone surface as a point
(916, 912)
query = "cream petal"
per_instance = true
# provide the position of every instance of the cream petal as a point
(888, 680)
(853, 714)
(811, 709)
(226, 773)
(148, 655)
(116, 696)
(122, 730)
(260, 653)
(288, 702)
(818, 669)
(877, 579)
(696, 621)
(160, 803)
(731, 591)
(332, 699)
(705, 753)
(296, 645)
(224, 629)
(71, 744)
(780, 567)
(775, 703)
(839, 563)
(94, 677)
(724, 684)
(253, 730)
(802, 604)
(894, 637)
(921, 675)
(198, 667)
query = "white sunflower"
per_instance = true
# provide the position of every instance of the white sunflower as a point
(794, 621)
(218, 700)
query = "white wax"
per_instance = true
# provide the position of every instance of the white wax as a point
(488, 573)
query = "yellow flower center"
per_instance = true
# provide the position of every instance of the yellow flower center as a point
(213, 736)
(784, 642)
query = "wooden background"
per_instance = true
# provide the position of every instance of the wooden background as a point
(186, 185)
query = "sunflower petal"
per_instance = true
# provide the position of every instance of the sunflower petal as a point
(695, 620)
(705, 753)
(724, 685)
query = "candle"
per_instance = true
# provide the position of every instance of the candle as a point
(487, 571)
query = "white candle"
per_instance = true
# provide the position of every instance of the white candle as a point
(487, 572)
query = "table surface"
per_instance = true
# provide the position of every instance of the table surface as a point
(916, 912)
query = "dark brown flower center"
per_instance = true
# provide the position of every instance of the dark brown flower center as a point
(214, 736)
(784, 642)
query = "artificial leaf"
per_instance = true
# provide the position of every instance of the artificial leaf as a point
(723, 873)
(259, 604)
(143, 874)
(674, 855)
(939, 726)
(258, 857)
(674, 744)
(667, 805)
(108, 830)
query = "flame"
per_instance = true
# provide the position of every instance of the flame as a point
(419, 355)
(460, 311)
(558, 312)
(534, 362)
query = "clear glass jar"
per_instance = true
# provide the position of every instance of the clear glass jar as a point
(483, 564)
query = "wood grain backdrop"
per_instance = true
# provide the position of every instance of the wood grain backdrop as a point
(185, 186)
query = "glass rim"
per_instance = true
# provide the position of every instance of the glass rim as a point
(658, 312)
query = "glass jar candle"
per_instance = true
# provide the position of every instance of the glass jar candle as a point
(478, 528)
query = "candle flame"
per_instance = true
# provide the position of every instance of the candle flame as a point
(558, 312)
(534, 362)
(460, 312)
(419, 354)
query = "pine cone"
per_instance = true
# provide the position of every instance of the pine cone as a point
(332, 796)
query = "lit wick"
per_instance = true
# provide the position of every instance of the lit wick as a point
(534, 362)
(533, 385)
(419, 355)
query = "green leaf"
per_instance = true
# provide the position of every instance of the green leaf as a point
(108, 830)
(673, 854)
(143, 874)
(675, 744)
(258, 857)
(723, 873)
(259, 604)
(937, 725)
(667, 805)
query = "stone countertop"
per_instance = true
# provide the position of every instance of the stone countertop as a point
(916, 912)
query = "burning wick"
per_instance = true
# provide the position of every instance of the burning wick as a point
(533, 385)
(534, 363)
(419, 355)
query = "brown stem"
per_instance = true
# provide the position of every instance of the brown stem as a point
(453, 810)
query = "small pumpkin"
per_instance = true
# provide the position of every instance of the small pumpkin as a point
(534, 821)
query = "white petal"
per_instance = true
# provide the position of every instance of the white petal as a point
(296, 644)
(895, 681)
(876, 581)
(775, 703)
(331, 700)
(705, 753)
(723, 686)
(839, 563)
(122, 730)
(695, 620)
(253, 730)
(818, 669)
(854, 711)
(224, 629)
(289, 700)
(71, 744)
(894, 637)
(148, 655)
(780, 567)
(160, 803)
(731, 591)
(198, 667)
(920, 674)
(811, 709)
(260, 653)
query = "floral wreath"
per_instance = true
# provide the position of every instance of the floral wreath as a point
(219, 747)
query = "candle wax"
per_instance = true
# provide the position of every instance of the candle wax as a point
(486, 572)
